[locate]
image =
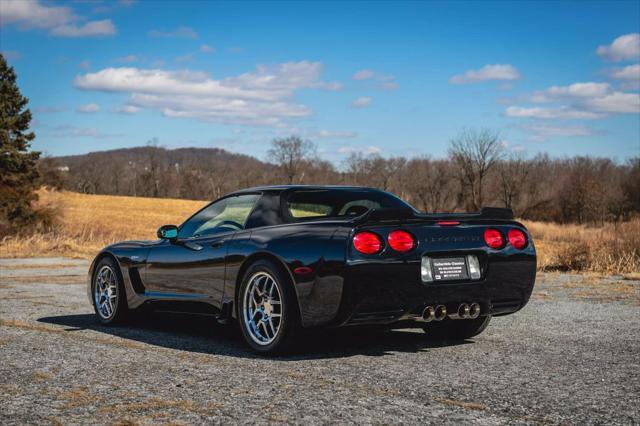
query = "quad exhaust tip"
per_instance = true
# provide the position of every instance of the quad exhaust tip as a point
(474, 310)
(428, 314)
(439, 312)
(463, 310)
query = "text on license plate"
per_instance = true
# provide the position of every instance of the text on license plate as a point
(451, 268)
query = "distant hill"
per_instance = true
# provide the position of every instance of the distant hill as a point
(180, 156)
(196, 173)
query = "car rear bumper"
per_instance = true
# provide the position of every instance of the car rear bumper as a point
(388, 292)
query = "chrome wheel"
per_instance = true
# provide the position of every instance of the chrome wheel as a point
(105, 292)
(262, 308)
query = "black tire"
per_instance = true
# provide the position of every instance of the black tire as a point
(120, 312)
(289, 322)
(449, 329)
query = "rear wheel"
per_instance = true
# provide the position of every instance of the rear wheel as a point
(267, 309)
(109, 297)
(449, 329)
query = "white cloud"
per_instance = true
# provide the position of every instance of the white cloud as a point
(540, 132)
(58, 21)
(263, 97)
(616, 102)
(552, 113)
(383, 81)
(363, 75)
(587, 101)
(388, 82)
(487, 73)
(89, 108)
(89, 29)
(362, 102)
(626, 47)
(127, 109)
(205, 48)
(180, 32)
(31, 14)
(392, 85)
(575, 90)
(328, 134)
(629, 75)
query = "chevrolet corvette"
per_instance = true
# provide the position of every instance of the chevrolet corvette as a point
(280, 260)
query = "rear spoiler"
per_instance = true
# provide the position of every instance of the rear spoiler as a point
(395, 214)
(491, 213)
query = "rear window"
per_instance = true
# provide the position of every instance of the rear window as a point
(338, 202)
(308, 209)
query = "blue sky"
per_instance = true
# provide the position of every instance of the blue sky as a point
(391, 78)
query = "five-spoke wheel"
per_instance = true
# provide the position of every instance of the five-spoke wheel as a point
(105, 293)
(267, 311)
(262, 308)
(109, 299)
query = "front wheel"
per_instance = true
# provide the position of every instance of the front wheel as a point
(456, 329)
(267, 309)
(109, 297)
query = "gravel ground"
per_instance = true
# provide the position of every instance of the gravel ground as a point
(571, 356)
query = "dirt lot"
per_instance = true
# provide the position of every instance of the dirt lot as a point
(570, 356)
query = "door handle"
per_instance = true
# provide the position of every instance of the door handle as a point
(217, 244)
(193, 246)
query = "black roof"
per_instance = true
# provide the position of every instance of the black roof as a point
(281, 188)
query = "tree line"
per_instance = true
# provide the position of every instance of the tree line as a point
(477, 172)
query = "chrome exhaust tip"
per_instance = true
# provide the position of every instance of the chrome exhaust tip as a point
(474, 310)
(463, 310)
(440, 313)
(461, 313)
(428, 314)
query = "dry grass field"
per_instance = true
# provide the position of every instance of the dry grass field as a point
(609, 249)
(89, 222)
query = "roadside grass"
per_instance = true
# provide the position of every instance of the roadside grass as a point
(89, 222)
(612, 249)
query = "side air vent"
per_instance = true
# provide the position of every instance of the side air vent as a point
(136, 281)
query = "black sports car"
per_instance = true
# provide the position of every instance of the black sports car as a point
(281, 259)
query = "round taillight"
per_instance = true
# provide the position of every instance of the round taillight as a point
(367, 242)
(493, 238)
(517, 238)
(401, 241)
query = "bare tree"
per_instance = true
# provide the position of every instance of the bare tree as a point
(430, 184)
(475, 153)
(631, 187)
(290, 154)
(373, 170)
(512, 176)
(152, 172)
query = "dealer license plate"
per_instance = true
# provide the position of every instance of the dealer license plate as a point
(450, 268)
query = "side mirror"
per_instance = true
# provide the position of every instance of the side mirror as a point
(168, 232)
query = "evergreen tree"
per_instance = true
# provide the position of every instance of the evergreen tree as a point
(18, 171)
